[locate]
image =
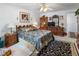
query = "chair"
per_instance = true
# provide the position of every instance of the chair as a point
(1, 43)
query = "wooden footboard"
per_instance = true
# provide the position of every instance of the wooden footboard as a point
(46, 39)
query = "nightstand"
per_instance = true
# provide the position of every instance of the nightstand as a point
(10, 39)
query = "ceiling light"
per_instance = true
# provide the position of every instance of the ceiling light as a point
(41, 9)
(45, 9)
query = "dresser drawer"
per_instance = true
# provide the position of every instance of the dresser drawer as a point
(10, 39)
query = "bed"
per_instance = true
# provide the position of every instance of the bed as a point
(39, 38)
(31, 40)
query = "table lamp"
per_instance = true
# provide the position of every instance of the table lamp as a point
(11, 26)
(35, 24)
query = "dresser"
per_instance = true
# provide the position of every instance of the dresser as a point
(10, 39)
(57, 30)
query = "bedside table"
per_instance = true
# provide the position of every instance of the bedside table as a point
(10, 39)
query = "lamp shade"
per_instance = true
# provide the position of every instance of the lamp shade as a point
(35, 24)
(11, 26)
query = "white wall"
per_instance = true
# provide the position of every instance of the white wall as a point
(61, 13)
(9, 14)
(35, 16)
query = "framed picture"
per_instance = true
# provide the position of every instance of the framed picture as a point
(50, 19)
(61, 17)
(24, 17)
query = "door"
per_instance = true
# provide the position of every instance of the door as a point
(71, 22)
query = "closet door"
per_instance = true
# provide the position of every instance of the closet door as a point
(71, 25)
(71, 22)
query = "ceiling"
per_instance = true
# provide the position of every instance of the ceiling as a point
(53, 6)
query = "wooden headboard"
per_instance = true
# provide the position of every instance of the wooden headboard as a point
(19, 27)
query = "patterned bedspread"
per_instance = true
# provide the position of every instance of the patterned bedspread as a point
(35, 37)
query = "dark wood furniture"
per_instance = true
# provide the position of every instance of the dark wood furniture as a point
(77, 40)
(43, 22)
(56, 30)
(10, 39)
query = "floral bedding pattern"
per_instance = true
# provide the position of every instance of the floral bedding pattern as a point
(35, 37)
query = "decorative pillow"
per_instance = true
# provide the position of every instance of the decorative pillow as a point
(7, 53)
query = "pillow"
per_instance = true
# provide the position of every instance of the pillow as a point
(7, 53)
(27, 29)
(23, 29)
(33, 28)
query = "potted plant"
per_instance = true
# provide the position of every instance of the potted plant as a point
(77, 12)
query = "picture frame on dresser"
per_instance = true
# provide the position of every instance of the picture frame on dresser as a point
(61, 17)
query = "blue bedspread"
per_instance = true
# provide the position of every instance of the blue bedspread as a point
(34, 37)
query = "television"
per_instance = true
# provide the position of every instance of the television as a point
(51, 23)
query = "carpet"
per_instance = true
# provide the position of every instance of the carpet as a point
(56, 48)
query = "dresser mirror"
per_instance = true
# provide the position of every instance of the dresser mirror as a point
(55, 19)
